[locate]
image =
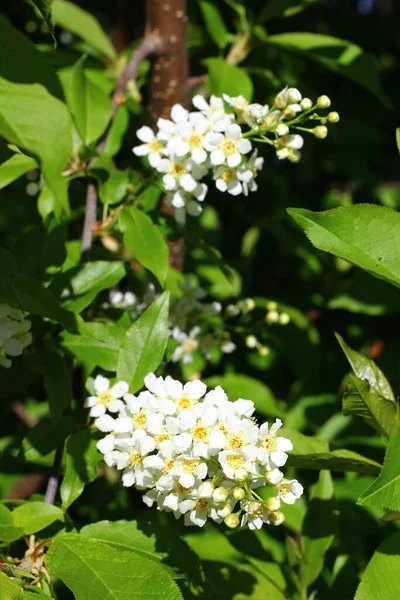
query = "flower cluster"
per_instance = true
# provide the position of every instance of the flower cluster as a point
(14, 333)
(194, 452)
(211, 141)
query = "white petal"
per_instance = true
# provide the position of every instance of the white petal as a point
(234, 188)
(141, 150)
(128, 478)
(187, 182)
(145, 134)
(244, 146)
(279, 458)
(234, 160)
(195, 389)
(166, 126)
(146, 445)
(178, 113)
(105, 423)
(97, 411)
(187, 480)
(275, 426)
(217, 157)
(101, 384)
(199, 102)
(199, 155)
(154, 159)
(106, 444)
(233, 132)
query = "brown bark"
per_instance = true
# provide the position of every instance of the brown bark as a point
(166, 20)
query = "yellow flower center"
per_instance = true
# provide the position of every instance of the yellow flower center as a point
(105, 398)
(177, 169)
(190, 346)
(229, 147)
(269, 443)
(168, 465)
(162, 437)
(140, 419)
(185, 402)
(256, 509)
(135, 459)
(283, 488)
(235, 461)
(189, 465)
(228, 175)
(155, 145)
(200, 433)
(235, 441)
(195, 141)
(181, 491)
(202, 505)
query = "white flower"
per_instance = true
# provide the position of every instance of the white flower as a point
(14, 333)
(254, 114)
(249, 171)
(189, 469)
(106, 398)
(272, 447)
(214, 111)
(129, 456)
(232, 460)
(152, 147)
(226, 180)
(190, 138)
(227, 148)
(167, 128)
(289, 490)
(255, 515)
(239, 103)
(187, 344)
(294, 141)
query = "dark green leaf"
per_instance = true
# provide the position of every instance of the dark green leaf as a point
(44, 7)
(57, 381)
(117, 131)
(45, 437)
(97, 344)
(214, 23)
(284, 8)
(34, 516)
(114, 189)
(381, 580)
(144, 345)
(145, 241)
(82, 458)
(224, 78)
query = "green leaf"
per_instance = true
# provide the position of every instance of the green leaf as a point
(31, 113)
(82, 458)
(152, 541)
(114, 189)
(385, 491)
(366, 235)
(57, 381)
(214, 24)
(366, 370)
(144, 345)
(97, 344)
(337, 55)
(362, 400)
(224, 78)
(79, 286)
(381, 580)
(44, 7)
(45, 437)
(310, 453)
(9, 589)
(9, 532)
(117, 131)
(90, 106)
(88, 566)
(75, 19)
(242, 386)
(34, 516)
(319, 528)
(14, 167)
(145, 241)
(34, 594)
(284, 8)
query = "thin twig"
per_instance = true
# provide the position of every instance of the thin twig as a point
(19, 409)
(196, 80)
(52, 484)
(89, 222)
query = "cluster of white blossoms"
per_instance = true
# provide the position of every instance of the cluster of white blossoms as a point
(14, 333)
(213, 141)
(194, 452)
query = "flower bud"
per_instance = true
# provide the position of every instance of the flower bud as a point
(282, 153)
(276, 518)
(232, 521)
(274, 476)
(263, 350)
(284, 319)
(333, 117)
(251, 341)
(250, 304)
(273, 504)
(282, 129)
(206, 489)
(272, 305)
(306, 104)
(294, 95)
(241, 474)
(294, 141)
(320, 132)
(323, 102)
(281, 99)
(220, 494)
(272, 316)
(224, 511)
(238, 493)
(232, 310)
(271, 119)
(294, 156)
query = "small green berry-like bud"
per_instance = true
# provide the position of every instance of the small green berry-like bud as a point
(273, 504)
(320, 132)
(272, 316)
(251, 341)
(263, 350)
(282, 129)
(294, 95)
(272, 305)
(232, 521)
(241, 474)
(220, 494)
(306, 104)
(333, 117)
(284, 319)
(276, 518)
(238, 493)
(323, 102)
(224, 511)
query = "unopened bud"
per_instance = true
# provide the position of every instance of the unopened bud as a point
(284, 319)
(232, 521)
(263, 350)
(282, 153)
(238, 493)
(306, 104)
(250, 304)
(333, 117)
(323, 102)
(232, 310)
(281, 99)
(294, 156)
(220, 494)
(276, 518)
(320, 132)
(225, 511)
(282, 129)
(271, 119)
(272, 305)
(251, 341)
(241, 474)
(294, 95)
(206, 489)
(274, 476)
(272, 316)
(273, 504)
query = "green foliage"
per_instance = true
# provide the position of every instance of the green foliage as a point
(9, 532)
(109, 573)
(381, 577)
(224, 78)
(285, 8)
(358, 234)
(144, 344)
(96, 344)
(34, 516)
(9, 589)
(214, 23)
(14, 167)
